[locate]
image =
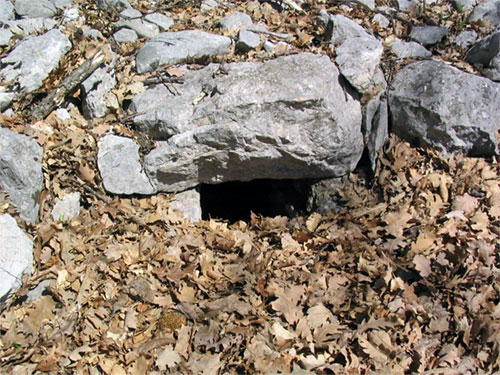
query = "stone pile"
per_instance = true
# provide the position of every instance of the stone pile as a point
(296, 116)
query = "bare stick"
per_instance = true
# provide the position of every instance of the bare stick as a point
(69, 84)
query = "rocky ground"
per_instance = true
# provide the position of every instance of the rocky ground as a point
(403, 279)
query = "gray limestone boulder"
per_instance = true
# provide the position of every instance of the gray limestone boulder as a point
(375, 126)
(175, 47)
(35, 8)
(25, 68)
(428, 35)
(120, 167)
(16, 256)
(6, 10)
(381, 20)
(405, 50)
(358, 59)
(235, 21)
(143, 28)
(487, 10)
(21, 172)
(125, 36)
(28, 26)
(286, 118)
(444, 108)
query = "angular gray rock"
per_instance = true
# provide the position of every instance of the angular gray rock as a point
(466, 38)
(35, 8)
(247, 40)
(162, 21)
(29, 26)
(175, 47)
(66, 208)
(375, 126)
(339, 28)
(407, 5)
(464, 5)
(487, 10)
(94, 91)
(21, 172)
(485, 50)
(428, 35)
(5, 35)
(6, 10)
(188, 202)
(236, 20)
(444, 108)
(381, 20)
(33, 59)
(286, 118)
(5, 99)
(358, 59)
(125, 35)
(143, 28)
(113, 5)
(16, 256)
(120, 167)
(405, 50)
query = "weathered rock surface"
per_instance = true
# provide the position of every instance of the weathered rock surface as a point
(466, 38)
(23, 70)
(35, 8)
(487, 10)
(175, 47)
(485, 50)
(405, 50)
(16, 256)
(120, 167)
(6, 10)
(247, 40)
(358, 60)
(21, 172)
(286, 118)
(339, 28)
(428, 35)
(188, 202)
(375, 125)
(162, 21)
(445, 108)
(94, 91)
(236, 20)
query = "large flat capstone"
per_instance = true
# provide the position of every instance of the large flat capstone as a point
(445, 108)
(287, 118)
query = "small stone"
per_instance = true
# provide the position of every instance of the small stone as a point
(5, 35)
(485, 50)
(66, 208)
(247, 40)
(161, 20)
(428, 35)
(369, 3)
(62, 114)
(407, 5)
(5, 99)
(341, 28)
(70, 14)
(466, 39)
(405, 50)
(143, 28)
(130, 13)
(119, 164)
(208, 5)
(188, 202)
(16, 256)
(125, 36)
(381, 20)
(93, 33)
(268, 46)
(35, 8)
(235, 21)
(94, 91)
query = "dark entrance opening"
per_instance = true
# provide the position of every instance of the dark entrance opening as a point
(233, 201)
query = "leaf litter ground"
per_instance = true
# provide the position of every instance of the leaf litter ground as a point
(403, 280)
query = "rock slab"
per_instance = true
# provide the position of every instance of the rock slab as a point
(445, 108)
(21, 172)
(286, 118)
(175, 47)
(16, 256)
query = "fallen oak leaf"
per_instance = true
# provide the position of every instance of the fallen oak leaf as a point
(422, 265)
